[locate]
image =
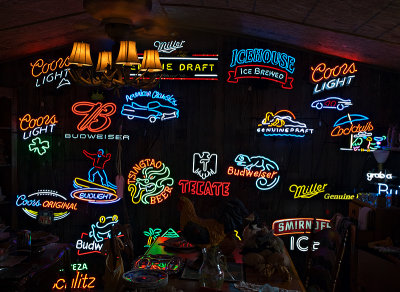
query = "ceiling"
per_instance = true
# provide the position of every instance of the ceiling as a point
(366, 31)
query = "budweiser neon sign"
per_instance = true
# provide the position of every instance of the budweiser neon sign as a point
(250, 63)
(298, 225)
(351, 124)
(96, 116)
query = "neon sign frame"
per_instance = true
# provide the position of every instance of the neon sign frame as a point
(307, 192)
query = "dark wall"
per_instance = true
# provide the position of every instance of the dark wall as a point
(218, 117)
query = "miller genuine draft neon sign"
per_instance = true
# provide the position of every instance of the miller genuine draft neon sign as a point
(265, 170)
(45, 73)
(262, 64)
(149, 182)
(327, 78)
(306, 192)
(283, 123)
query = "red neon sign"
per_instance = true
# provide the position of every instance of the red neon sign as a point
(298, 225)
(96, 115)
(204, 187)
(40, 67)
(27, 122)
(321, 71)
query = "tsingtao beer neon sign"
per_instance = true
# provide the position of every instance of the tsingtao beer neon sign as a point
(306, 192)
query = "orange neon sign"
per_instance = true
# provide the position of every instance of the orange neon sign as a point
(40, 67)
(96, 115)
(79, 282)
(321, 71)
(27, 122)
(339, 131)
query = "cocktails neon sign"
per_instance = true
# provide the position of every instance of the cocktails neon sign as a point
(307, 192)
(103, 192)
(251, 57)
(350, 126)
(283, 123)
(154, 187)
(45, 199)
(267, 174)
(42, 68)
(204, 188)
(204, 164)
(323, 73)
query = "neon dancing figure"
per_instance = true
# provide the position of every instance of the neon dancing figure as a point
(99, 160)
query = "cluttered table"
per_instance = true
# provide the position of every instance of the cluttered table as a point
(235, 272)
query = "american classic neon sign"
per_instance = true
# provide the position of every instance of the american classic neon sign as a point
(245, 60)
(379, 175)
(267, 174)
(45, 199)
(298, 225)
(283, 123)
(350, 124)
(42, 68)
(322, 72)
(101, 191)
(154, 186)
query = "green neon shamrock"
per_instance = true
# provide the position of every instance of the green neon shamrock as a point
(39, 146)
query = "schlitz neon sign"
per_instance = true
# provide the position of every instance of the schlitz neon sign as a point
(267, 174)
(307, 192)
(100, 191)
(204, 188)
(150, 106)
(48, 200)
(350, 124)
(298, 225)
(330, 77)
(195, 67)
(155, 184)
(81, 281)
(57, 69)
(245, 63)
(283, 123)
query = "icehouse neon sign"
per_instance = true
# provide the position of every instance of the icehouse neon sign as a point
(267, 172)
(249, 63)
(283, 123)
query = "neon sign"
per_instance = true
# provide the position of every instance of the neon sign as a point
(267, 175)
(38, 146)
(153, 234)
(323, 73)
(79, 282)
(364, 141)
(283, 123)
(204, 188)
(45, 199)
(345, 196)
(42, 68)
(96, 115)
(307, 192)
(350, 120)
(298, 225)
(27, 122)
(195, 67)
(96, 191)
(102, 228)
(156, 184)
(168, 47)
(151, 94)
(257, 71)
(205, 164)
(303, 248)
(168, 263)
(331, 103)
(379, 175)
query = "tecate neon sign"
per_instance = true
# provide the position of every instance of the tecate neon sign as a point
(249, 63)
(47, 200)
(204, 164)
(204, 188)
(327, 78)
(283, 123)
(267, 171)
(153, 185)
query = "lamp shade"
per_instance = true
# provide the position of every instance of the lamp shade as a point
(80, 55)
(381, 155)
(151, 61)
(104, 60)
(127, 54)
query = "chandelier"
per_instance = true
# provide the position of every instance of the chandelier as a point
(125, 71)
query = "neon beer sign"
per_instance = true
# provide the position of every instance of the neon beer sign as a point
(149, 182)
(204, 188)
(168, 47)
(81, 281)
(251, 63)
(365, 142)
(97, 189)
(96, 116)
(267, 171)
(327, 78)
(350, 124)
(153, 233)
(52, 71)
(36, 126)
(283, 123)
(307, 192)
(298, 225)
(204, 164)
